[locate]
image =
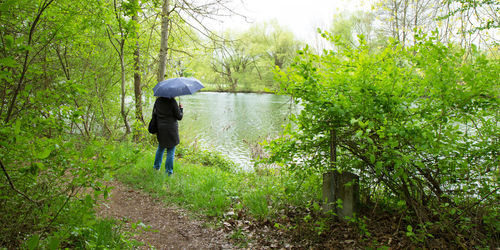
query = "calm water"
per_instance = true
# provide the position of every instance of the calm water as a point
(231, 123)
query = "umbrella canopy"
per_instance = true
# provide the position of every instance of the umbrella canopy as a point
(177, 86)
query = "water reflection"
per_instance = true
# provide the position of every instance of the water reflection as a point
(229, 122)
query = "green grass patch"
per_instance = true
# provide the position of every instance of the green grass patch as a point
(211, 190)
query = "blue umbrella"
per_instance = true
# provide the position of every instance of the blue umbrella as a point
(177, 86)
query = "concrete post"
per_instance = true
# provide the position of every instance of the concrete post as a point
(329, 191)
(335, 187)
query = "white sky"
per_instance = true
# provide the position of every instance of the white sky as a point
(301, 16)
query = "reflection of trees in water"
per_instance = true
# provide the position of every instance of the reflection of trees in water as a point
(234, 124)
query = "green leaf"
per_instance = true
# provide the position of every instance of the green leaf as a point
(8, 62)
(17, 127)
(372, 159)
(54, 243)
(362, 124)
(35, 168)
(33, 242)
(44, 153)
(9, 41)
(359, 133)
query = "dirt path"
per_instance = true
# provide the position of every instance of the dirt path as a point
(170, 227)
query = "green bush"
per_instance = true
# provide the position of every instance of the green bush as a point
(419, 125)
(52, 184)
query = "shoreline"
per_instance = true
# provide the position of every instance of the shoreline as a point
(239, 91)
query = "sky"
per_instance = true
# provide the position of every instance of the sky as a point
(302, 17)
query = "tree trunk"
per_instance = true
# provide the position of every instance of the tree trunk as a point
(396, 20)
(329, 195)
(162, 60)
(415, 24)
(137, 70)
(404, 28)
(333, 149)
(137, 85)
(120, 50)
(20, 83)
(123, 93)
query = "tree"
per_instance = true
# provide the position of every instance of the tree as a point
(479, 14)
(56, 84)
(247, 60)
(402, 19)
(230, 60)
(474, 21)
(178, 14)
(27, 48)
(135, 8)
(417, 121)
(118, 41)
(162, 57)
(468, 23)
(281, 42)
(349, 26)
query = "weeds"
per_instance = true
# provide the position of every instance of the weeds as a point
(262, 206)
(360, 223)
(101, 235)
(63, 182)
(240, 237)
(219, 193)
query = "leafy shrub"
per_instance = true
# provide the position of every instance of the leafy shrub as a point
(53, 183)
(418, 123)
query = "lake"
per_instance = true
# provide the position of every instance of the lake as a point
(231, 123)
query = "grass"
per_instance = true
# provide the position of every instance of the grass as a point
(211, 190)
(102, 234)
(275, 203)
(198, 188)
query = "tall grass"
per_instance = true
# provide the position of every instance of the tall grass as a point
(210, 190)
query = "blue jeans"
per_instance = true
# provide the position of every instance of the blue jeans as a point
(169, 163)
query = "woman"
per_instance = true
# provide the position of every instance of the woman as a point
(168, 113)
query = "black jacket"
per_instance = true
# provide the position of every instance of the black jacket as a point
(168, 113)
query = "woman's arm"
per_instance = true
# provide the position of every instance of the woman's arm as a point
(178, 111)
(154, 108)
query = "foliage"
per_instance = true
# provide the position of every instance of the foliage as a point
(267, 210)
(101, 233)
(466, 22)
(60, 124)
(485, 13)
(52, 187)
(417, 125)
(348, 26)
(246, 60)
(421, 131)
(58, 99)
